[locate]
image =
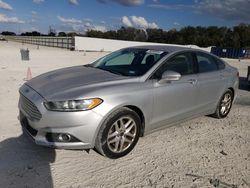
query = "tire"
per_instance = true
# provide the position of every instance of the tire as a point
(118, 134)
(224, 105)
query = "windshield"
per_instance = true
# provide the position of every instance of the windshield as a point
(129, 61)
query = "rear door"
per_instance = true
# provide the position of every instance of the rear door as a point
(175, 100)
(210, 82)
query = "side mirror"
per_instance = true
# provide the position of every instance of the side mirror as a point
(169, 76)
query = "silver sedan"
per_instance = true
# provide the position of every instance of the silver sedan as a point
(109, 104)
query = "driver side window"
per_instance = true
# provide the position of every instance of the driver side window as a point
(182, 63)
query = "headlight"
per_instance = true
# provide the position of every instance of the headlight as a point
(73, 105)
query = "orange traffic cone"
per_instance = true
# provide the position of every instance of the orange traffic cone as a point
(29, 75)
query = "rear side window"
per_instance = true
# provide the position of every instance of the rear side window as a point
(206, 63)
(220, 64)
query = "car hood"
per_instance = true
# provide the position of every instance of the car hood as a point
(71, 82)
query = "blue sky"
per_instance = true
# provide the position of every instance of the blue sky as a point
(81, 15)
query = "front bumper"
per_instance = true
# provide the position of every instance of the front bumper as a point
(82, 126)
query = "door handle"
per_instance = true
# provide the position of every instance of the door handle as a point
(192, 81)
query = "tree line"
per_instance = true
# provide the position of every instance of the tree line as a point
(36, 33)
(236, 37)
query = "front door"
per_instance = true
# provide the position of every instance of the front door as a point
(176, 100)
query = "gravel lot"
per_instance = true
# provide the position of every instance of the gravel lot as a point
(193, 154)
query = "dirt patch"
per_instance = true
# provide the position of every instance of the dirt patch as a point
(203, 152)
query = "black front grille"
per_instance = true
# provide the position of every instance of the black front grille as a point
(25, 124)
(29, 107)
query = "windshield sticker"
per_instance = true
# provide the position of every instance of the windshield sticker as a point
(155, 52)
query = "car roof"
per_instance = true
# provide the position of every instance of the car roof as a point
(164, 48)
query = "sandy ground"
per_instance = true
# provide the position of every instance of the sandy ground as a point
(188, 155)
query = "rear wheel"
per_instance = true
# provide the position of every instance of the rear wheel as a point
(119, 133)
(224, 105)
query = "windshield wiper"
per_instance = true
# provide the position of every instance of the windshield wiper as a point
(111, 71)
(115, 72)
(88, 65)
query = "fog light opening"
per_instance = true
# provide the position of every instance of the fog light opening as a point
(61, 137)
(64, 137)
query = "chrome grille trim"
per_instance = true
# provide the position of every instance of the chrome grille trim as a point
(30, 108)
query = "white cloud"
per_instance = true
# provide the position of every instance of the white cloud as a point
(171, 7)
(12, 20)
(126, 21)
(73, 2)
(99, 28)
(176, 23)
(79, 25)
(34, 29)
(237, 10)
(23, 30)
(87, 24)
(88, 20)
(153, 25)
(138, 22)
(130, 2)
(232, 10)
(32, 21)
(33, 12)
(5, 6)
(69, 20)
(38, 1)
(78, 28)
(125, 2)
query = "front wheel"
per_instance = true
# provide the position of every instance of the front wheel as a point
(119, 133)
(224, 105)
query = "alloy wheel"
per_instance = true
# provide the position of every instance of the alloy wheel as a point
(121, 134)
(226, 103)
